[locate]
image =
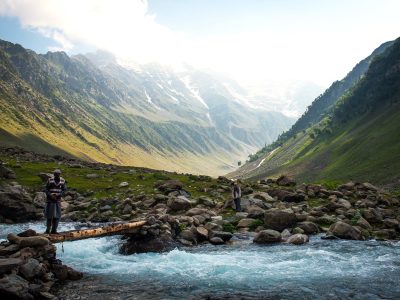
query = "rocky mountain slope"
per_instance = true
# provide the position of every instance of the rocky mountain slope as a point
(351, 131)
(92, 107)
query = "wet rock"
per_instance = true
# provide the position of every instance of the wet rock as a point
(298, 239)
(225, 236)
(267, 236)
(308, 227)
(178, 203)
(161, 243)
(17, 205)
(345, 231)
(217, 241)
(286, 234)
(279, 219)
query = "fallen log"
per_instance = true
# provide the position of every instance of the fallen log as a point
(74, 235)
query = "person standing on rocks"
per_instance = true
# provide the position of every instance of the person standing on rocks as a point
(236, 194)
(55, 189)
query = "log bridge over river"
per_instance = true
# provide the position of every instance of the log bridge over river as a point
(74, 235)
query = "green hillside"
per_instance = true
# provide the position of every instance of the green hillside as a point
(57, 104)
(358, 138)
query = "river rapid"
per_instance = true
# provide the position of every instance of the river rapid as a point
(321, 269)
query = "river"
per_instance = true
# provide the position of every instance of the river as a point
(321, 269)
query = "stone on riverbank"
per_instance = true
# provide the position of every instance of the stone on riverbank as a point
(267, 236)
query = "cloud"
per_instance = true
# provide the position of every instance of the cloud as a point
(122, 27)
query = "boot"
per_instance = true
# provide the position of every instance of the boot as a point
(54, 226)
(48, 226)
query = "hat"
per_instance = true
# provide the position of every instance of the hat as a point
(57, 171)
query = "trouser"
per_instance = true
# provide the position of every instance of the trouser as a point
(51, 225)
(237, 204)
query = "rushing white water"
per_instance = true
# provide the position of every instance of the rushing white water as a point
(320, 269)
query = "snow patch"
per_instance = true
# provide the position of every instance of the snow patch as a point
(194, 91)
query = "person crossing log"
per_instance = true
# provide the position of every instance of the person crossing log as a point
(74, 235)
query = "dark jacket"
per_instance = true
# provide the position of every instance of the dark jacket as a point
(53, 206)
(236, 192)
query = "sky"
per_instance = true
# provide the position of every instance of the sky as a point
(249, 40)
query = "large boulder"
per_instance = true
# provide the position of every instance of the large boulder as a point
(345, 231)
(225, 236)
(178, 203)
(267, 236)
(17, 205)
(161, 243)
(246, 222)
(279, 219)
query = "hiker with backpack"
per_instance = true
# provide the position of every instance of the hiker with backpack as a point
(55, 189)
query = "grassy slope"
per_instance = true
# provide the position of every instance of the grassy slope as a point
(106, 185)
(365, 150)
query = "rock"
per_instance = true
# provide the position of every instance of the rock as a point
(127, 209)
(344, 203)
(279, 219)
(262, 196)
(16, 204)
(27, 233)
(363, 224)
(241, 215)
(178, 203)
(225, 236)
(8, 264)
(372, 215)
(255, 212)
(293, 197)
(196, 211)
(105, 208)
(285, 181)
(217, 241)
(297, 230)
(345, 231)
(202, 232)
(45, 176)
(169, 186)
(245, 223)
(391, 223)
(308, 227)
(31, 269)
(92, 176)
(286, 234)
(187, 235)
(206, 201)
(14, 287)
(161, 243)
(40, 199)
(7, 173)
(298, 239)
(267, 236)
(123, 184)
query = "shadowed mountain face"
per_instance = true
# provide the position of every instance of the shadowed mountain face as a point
(94, 108)
(350, 131)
